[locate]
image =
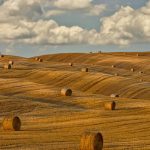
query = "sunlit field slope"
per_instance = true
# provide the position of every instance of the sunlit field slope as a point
(50, 121)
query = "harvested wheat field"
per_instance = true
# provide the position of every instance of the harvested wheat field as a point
(50, 120)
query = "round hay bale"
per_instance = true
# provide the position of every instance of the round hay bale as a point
(91, 141)
(110, 105)
(1, 56)
(84, 69)
(114, 95)
(132, 69)
(66, 92)
(113, 66)
(70, 64)
(11, 123)
(116, 74)
(140, 72)
(40, 60)
(7, 66)
(137, 54)
(11, 62)
(37, 58)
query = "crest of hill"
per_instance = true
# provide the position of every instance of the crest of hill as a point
(125, 60)
(12, 57)
(91, 57)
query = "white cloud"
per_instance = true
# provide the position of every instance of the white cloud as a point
(97, 9)
(20, 8)
(146, 10)
(45, 32)
(85, 5)
(9, 32)
(28, 9)
(72, 4)
(125, 26)
(49, 32)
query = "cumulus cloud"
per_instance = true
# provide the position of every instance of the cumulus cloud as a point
(97, 9)
(72, 4)
(41, 32)
(28, 9)
(128, 25)
(13, 32)
(19, 8)
(85, 5)
(125, 26)
(46, 32)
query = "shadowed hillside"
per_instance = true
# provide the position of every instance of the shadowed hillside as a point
(31, 90)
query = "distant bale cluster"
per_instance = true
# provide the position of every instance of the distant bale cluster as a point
(39, 59)
(9, 65)
(91, 141)
(11, 123)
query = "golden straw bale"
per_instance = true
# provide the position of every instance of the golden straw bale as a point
(7, 66)
(12, 123)
(40, 60)
(11, 62)
(84, 69)
(132, 69)
(37, 58)
(66, 92)
(114, 95)
(91, 141)
(70, 64)
(110, 105)
(140, 72)
(116, 74)
(1, 56)
(113, 66)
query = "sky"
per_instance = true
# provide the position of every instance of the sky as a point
(36, 27)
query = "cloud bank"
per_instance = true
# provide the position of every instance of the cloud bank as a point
(26, 22)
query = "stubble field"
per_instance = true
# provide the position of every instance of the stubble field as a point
(50, 121)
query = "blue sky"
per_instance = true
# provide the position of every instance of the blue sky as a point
(35, 27)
